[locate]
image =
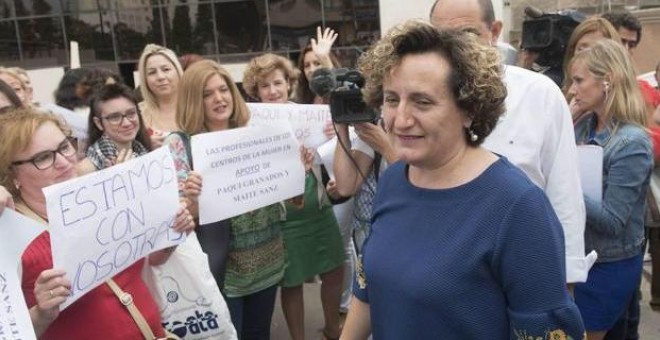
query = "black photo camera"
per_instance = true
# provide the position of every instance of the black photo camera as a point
(344, 87)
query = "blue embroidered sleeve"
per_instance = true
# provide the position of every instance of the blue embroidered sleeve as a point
(529, 262)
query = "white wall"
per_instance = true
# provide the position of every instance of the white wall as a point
(393, 12)
(45, 82)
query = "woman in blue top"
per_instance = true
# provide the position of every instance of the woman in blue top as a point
(463, 245)
(604, 84)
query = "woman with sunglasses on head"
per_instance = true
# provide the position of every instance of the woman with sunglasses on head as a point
(37, 152)
(116, 131)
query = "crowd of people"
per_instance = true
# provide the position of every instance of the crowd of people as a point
(458, 214)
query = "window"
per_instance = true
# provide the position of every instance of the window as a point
(42, 42)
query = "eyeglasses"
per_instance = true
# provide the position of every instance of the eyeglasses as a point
(117, 118)
(45, 159)
(629, 44)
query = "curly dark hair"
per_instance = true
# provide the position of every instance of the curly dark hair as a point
(65, 94)
(626, 20)
(476, 73)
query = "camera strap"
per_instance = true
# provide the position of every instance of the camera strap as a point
(377, 160)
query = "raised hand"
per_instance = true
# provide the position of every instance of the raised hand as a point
(323, 44)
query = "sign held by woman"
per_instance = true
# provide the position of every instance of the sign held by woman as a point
(103, 222)
(245, 169)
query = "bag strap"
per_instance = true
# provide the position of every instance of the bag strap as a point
(127, 300)
(377, 160)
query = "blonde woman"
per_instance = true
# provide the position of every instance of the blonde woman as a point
(159, 70)
(604, 86)
(584, 36)
(246, 252)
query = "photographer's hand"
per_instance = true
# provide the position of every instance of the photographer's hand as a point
(377, 139)
(323, 44)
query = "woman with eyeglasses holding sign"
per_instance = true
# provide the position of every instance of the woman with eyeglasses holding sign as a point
(36, 153)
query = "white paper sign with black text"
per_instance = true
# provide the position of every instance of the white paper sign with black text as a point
(103, 222)
(245, 169)
(307, 120)
(16, 233)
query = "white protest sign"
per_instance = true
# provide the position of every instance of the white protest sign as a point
(75, 54)
(16, 233)
(105, 221)
(307, 120)
(44, 82)
(245, 169)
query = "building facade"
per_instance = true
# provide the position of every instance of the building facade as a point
(36, 34)
(112, 33)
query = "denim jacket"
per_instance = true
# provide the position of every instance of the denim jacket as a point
(615, 227)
